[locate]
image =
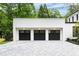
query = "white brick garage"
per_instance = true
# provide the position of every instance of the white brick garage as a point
(46, 29)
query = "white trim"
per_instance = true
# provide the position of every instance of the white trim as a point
(32, 35)
(17, 32)
(46, 35)
(61, 34)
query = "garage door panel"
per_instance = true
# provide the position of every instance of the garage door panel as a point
(54, 35)
(42, 36)
(39, 34)
(24, 34)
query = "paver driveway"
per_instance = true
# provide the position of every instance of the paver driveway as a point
(38, 48)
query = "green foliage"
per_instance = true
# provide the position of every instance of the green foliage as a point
(72, 9)
(24, 10)
(6, 20)
(54, 13)
(76, 29)
(43, 12)
(8, 11)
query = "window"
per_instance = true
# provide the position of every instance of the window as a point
(77, 16)
(75, 31)
(72, 18)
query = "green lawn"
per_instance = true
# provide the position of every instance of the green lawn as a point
(2, 41)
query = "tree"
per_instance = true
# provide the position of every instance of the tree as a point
(8, 11)
(43, 12)
(4, 29)
(24, 10)
(72, 9)
(6, 21)
(54, 13)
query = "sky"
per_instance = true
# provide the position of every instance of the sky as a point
(62, 7)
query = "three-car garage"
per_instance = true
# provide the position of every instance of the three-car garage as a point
(41, 29)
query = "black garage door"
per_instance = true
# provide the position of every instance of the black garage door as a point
(39, 34)
(24, 34)
(54, 35)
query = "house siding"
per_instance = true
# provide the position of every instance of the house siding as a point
(75, 17)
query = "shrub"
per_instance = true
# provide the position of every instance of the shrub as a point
(67, 39)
